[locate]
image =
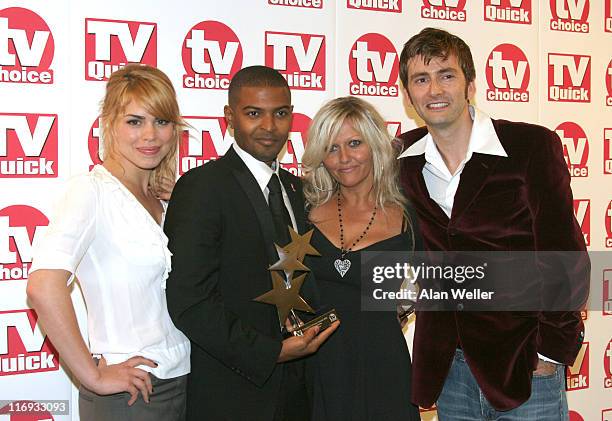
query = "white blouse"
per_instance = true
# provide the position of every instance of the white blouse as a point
(104, 236)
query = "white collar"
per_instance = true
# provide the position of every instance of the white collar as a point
(260, 170)
(483, 139)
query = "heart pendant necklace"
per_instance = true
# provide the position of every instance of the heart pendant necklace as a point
(342, 264)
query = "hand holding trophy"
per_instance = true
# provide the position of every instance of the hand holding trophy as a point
(285, 292)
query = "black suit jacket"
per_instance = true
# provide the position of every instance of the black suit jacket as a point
(221, 237)
(519, 203)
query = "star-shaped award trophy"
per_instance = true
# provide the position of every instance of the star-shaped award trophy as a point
(285, 292)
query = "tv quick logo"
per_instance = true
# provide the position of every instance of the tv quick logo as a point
(575, 148)
(607, 152)
(577, 375)
(453, 10)
(507, 74)
(608, 79)
(569, 78)
(569, 15)
(310, 4)
(373, 64)
(95, 144)
(508, 11)
(582, 211)
(23, 347)
(20, 227)
(28, 145)
(111, 44)
(377, 5)
(206, 139)
(607, 363)
(26, 47)
(608, 16)
(300, 58)
(606, 414)
(212, 53)
(608, 225)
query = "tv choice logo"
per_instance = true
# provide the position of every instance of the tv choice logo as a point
(26, 47)
(23, 347)
(507, 74)
(569, 78)
(608, 225)
(111, 44)
(376, 5)
(20, 228)
(300, 58)
(575, 148)
(608, 16)
(607, 363)
(608, 79)
(582, 211)
(508, 11)
(212, 54)
(451, 10)
(28, 145)
(310, 4)
(569, 15)
(577, 375)
(607, 152)
(373, 65)
(575, 416)
(208, 139)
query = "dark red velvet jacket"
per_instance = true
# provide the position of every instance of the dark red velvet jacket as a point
(520, 203)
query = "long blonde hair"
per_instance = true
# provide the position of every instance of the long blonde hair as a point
(319, 185)
(152, 88)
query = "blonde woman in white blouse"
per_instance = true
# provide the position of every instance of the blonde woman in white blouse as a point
(107, 232)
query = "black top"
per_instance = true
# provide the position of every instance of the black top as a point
(363, 370)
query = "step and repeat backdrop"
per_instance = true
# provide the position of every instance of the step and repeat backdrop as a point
(546, 62)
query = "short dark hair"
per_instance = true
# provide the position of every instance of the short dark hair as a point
(436, 43)
(255, 76)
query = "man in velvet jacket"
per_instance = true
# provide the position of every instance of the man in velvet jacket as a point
(221, 234)
(486, 185)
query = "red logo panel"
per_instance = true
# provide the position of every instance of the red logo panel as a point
(300, 58)
(608, 79)
(111, 44)
(26, 47)
(575, 148)
(570, 15)
(507, 74)
(578, 373)
(582, 211)
(607, 152)
(28, 145)
(212, 54)
(376, 5)
(20, 226)
(23, 347)
(569, 78)
(373, 64)
(508, 11)
(608, 16)
(608, 225)
(450, 10)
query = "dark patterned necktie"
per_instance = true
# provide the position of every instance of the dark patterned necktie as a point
(280, 216)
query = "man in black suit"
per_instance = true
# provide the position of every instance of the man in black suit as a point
(222, 234)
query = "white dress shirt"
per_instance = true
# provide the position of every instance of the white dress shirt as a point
(107, 239)
(441, 184)
(262, 173)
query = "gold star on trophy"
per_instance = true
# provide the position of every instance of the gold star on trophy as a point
(285, 292)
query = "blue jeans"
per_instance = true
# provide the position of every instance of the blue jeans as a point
(462, 400)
